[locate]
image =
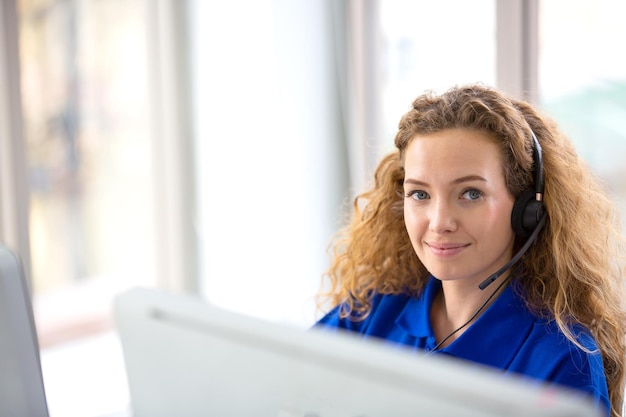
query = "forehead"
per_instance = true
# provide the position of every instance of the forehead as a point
(453, 152)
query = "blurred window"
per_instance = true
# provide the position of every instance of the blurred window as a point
(433, 45)
(582, 79)
(89, 157)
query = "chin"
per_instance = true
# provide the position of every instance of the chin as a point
(451, 276)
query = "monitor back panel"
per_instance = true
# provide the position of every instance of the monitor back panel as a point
(22, 391)
(187, 358)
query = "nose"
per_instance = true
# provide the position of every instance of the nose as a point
(442, 217)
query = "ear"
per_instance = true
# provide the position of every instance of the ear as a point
(527, 213)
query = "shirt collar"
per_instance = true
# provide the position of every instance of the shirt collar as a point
(415, 317)
(506, 319)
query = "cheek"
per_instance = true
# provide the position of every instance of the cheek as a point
(412, 223)
(408, 218)
(498, 223)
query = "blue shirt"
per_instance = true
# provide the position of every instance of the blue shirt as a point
(506, 336)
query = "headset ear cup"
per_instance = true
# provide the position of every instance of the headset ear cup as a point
(526, 214)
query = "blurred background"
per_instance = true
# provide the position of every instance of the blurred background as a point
(212, 147)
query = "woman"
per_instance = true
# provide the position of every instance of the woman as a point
(455, 250)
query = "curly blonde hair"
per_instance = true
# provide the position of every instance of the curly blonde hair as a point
(572, 274)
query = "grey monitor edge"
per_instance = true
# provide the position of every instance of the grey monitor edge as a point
(22, 392)
(183, 354)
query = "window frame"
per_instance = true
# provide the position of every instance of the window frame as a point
(14, 191)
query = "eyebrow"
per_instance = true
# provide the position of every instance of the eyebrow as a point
(460, 180)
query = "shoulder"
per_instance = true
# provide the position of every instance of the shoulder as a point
(385, 309)
(576, 358)
(550, 346)
(549, 355)
(540, 349)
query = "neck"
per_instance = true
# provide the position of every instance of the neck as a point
(458, 305)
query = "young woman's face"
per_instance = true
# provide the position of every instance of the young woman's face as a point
(457, 209)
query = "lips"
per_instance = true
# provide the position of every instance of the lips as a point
(446, 249)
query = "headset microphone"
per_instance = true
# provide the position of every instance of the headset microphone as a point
(528, 215)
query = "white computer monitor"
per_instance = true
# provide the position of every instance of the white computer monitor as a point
(22, 391)
(185, 357)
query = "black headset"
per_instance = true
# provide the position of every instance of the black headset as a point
(528, 216)
(528, 209)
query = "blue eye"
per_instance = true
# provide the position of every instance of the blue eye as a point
(418, 195)
(472, 194)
